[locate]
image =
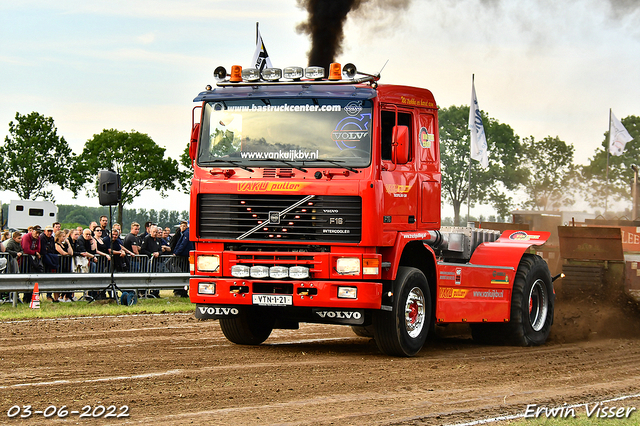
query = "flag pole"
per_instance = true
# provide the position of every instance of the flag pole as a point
(469, 193)
(469, 188)
(608, 144)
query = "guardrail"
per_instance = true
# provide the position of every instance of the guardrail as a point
(79, 264)
(132, 273)
(81, 282)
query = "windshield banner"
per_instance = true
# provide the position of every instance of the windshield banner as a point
(292, 155)
(285, 108)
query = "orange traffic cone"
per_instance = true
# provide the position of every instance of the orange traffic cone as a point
(35, 299)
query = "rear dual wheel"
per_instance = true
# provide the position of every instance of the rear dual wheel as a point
(532, 303)
(403, 330)
(532, 308)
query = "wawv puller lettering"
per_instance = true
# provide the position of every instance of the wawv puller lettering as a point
(594, 410)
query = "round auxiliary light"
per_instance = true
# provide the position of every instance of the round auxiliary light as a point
(278, 272)
(293, 73)
(298, 272)
(220, 73)
(236, 74)
(259, 271)
(240, 271)
(272, 74)
(251, 74)
(349, 70)
(315, 73)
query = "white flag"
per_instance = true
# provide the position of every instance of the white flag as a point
(618, 136)
(478, 137)
(261, 57)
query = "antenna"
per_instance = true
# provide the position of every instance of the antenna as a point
(385, 64)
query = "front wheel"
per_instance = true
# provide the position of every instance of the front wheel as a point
(249, 327)
(532, 303)
(403, 331)
(362, 331)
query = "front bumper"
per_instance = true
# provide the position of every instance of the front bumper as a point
(313, 293)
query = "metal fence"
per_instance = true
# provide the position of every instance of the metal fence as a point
(80, 264)
(73, 274)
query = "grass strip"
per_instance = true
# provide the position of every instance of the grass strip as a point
(167, 303)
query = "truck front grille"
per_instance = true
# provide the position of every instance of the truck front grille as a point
(323, 218)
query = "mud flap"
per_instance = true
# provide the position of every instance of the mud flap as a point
(338, 316)
(205, 312)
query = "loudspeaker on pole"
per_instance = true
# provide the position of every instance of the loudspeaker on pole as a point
(109, 188)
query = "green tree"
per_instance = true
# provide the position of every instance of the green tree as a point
(550, 170)
(491, 185)
(34, 158)
(186, 170)
(620, 174)
(138, 160)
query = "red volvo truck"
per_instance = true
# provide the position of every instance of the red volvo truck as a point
(318, 200)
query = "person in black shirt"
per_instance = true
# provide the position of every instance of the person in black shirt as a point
(177, 234)
(132, 241)
(117, 252)
(104, 221)
(151, 244)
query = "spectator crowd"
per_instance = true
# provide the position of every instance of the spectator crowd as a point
(95, 249)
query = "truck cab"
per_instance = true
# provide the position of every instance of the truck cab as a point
(318, 200)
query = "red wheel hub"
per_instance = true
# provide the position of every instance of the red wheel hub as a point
(413, 314)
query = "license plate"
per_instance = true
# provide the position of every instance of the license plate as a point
(272, 300)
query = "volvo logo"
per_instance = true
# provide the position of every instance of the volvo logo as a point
(353, 108)
(274, 218)
(340, 314)
(210, 310)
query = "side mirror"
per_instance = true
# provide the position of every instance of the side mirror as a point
(400, 144)
(194, 141)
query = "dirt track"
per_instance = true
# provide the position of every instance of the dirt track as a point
(172, 369)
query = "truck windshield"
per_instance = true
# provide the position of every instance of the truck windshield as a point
(291, 130)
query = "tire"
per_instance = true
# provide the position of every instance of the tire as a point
(249, 327)
(403, 331)
(362, 331)
(532, 303)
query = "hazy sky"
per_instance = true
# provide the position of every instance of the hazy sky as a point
(543, 67)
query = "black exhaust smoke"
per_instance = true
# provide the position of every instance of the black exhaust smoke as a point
(326, 20)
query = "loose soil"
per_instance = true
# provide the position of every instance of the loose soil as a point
(173, 370)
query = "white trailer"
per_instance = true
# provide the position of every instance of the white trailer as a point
(25, 213)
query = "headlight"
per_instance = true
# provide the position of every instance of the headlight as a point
(208, 263)
(206, 288)
(348, 266)
(299, 272)
(347, 292)
(278, 272)
(240, 271)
